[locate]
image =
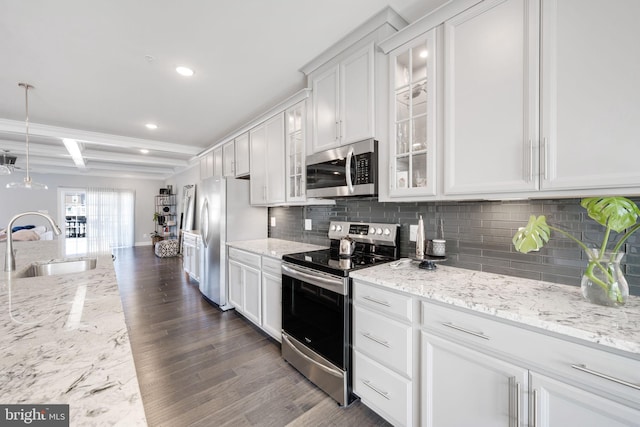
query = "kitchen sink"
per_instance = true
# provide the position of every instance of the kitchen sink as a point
(55, 267)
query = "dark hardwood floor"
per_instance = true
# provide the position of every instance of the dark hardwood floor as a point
(198, 366)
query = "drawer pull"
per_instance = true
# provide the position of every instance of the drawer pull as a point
(458, 328)
(376, 389)
(375, 339)
(584, 368)
(377, 301)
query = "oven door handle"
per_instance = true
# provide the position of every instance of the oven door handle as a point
(328, 283)
(328, 370)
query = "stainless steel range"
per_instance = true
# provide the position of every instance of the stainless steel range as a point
(316, 302)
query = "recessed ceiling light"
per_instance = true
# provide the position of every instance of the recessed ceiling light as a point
(424, 54)
(144, 150)
(74, 150)
(185, 71)
(151, 126)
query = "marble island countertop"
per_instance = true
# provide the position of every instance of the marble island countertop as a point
(65, 341)
(274, 247)
(549, 306)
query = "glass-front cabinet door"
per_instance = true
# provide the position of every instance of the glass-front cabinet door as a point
(413, 157)
(295, 152)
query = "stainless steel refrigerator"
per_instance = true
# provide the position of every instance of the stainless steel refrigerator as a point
(225, 216)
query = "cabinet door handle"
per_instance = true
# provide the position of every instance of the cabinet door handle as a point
(545, 158)
(458, 328)
(528, 162)
(583, 368)
(376, 389)
(337, 130)
(377, 301)
(514, 402)
(375, 339)
(535, 408)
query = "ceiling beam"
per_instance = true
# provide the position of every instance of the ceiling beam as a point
(88, 137)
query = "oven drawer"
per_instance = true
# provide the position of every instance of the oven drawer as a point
(383, 301)
(386, 392)
(246, 258)
(386, 340)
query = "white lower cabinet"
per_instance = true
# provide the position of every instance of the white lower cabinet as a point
(463, 387)
(383, 390)
(383, 356)
(244, 284)
(453, 367)
(504, 375)
(556, 403)
(191, 255)
(236, 290)
(272, 297)
(255, 289)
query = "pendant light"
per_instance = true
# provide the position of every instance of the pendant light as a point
(27, 183)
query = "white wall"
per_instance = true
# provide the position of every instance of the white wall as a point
(179, 180)
(19, 200)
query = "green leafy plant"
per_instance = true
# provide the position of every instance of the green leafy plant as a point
(614, 213)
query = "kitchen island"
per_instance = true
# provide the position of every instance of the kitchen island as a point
(65, 341)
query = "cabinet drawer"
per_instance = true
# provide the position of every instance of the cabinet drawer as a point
(383, 301)
(190, 239)
(246, 258)
(271, 266)
(385, 340)
(384, 391)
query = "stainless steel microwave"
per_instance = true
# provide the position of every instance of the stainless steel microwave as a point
(349, 170)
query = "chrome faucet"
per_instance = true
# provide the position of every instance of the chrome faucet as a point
(10, 259)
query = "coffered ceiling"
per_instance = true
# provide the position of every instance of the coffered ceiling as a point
(101, 70)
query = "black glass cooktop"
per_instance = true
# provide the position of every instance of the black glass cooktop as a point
(327, 260)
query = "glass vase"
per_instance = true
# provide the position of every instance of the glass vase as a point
(603, 282)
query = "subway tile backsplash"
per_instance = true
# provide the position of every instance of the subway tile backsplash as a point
(478, 234)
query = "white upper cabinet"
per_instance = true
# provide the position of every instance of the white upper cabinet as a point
(295, 152)
(590, 94)
(267, 150)
(412, 165)
(325, 110)
(356, 96)
(206, 165)
(235, 157)
(343, 110)
(218, 162)
(228, 160)
(241, 144)
(491, 98)
(548, 118)
(258, 181)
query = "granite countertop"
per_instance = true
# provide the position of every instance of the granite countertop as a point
(275, 248)
(549, 306)
(65, 341)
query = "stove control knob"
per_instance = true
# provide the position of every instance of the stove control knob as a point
(372, 230)
(333, 227)
(338, 228)
(379, 231)
(387, 232)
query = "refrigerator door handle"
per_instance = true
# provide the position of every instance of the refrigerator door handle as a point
(204, 223)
